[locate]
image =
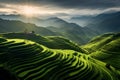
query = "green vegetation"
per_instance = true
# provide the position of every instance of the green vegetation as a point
(98, 42)
(106, 48)
(50, 42)
(29, 60)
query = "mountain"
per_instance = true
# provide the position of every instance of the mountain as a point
(81, 20)
(53, 21)
(106, 48)
(107, 22)
(11, 17)
(71, 30)
(58, 27)
(28, 60)
(18, 26)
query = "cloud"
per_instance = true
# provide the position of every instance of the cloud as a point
(60, 8)
(84, 4)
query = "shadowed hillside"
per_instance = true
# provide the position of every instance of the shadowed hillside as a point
(32, 61)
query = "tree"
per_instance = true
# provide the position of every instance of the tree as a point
(33, 32)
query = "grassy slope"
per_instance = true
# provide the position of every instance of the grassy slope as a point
(106, 48)
(98, 42)
(50, 42)
(30, 60)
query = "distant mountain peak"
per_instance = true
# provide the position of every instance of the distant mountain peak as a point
(56, 19)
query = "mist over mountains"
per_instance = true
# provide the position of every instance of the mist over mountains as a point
(54, 26)
(106, 23)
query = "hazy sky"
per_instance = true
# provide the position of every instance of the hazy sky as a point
(62, 8)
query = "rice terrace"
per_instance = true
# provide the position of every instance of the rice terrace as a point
(59, 40)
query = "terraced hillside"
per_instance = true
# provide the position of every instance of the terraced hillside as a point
(50, 42)
(28, 60)
(106, 48)
(98, 42)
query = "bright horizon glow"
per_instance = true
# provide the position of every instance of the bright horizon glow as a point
(29, 11)
(32, 10)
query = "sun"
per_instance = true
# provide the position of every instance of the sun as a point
(29, 11)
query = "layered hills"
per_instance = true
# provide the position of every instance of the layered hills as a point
(54, 26)
(59, 27)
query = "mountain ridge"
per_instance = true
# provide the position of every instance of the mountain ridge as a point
(104, 23)
(64, 30)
